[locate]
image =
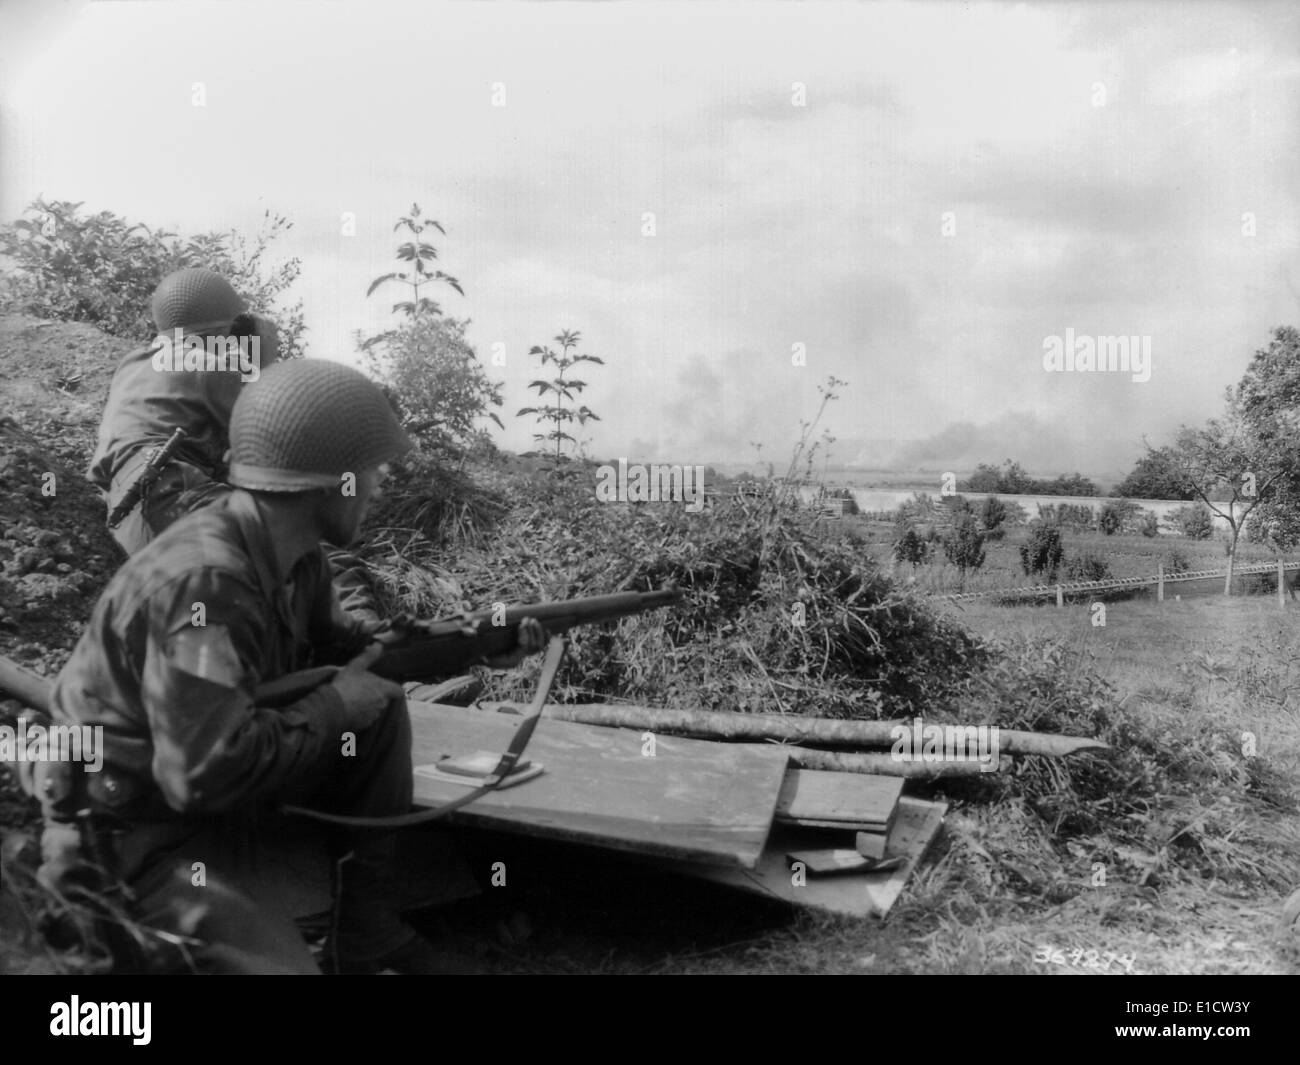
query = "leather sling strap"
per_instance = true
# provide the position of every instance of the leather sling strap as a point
(524, 732)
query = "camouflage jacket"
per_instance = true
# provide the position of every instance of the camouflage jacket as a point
(175, 647)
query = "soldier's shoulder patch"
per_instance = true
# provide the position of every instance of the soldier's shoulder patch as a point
(206, 652)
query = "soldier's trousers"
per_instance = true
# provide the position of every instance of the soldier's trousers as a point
(200, 880)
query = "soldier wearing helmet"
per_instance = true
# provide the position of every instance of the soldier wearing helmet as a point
(228, 598)
(150, 397)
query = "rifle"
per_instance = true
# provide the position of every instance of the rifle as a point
(433, 648)
(442, 648)
(148, 477)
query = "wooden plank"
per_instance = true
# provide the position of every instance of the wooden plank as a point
(852, 800)
(693, 799)
(872, 844)
(853, 894)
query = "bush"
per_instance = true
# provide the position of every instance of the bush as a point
(433, 377)
(1042, 554)
(1117, 516)
(103, 270)
(1149, 524)
(1176, 562)
(1087, 567)
(1194, 522)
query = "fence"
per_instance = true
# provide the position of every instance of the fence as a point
(1062, 589)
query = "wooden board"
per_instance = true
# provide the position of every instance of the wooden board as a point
(693, 800)
(852, 894)
(873, 845)
(823, 799)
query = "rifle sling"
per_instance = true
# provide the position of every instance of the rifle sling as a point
(550, 667)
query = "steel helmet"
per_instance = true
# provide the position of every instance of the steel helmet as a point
(307, 422)
(195, 300)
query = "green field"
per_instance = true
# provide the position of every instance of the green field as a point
(1125, 555)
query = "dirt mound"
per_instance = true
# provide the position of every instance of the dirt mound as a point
(55, 553)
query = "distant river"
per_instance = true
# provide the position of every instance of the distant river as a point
(878, 499)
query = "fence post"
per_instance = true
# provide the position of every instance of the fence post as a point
(1060, 598)
(1281, 585)
(1160, 581)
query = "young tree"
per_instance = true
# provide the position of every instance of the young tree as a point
(911, 547)
(1042, 553)
(425, 363)
(1228, 458)
(563, 389)
(993, 517)
(964, 546)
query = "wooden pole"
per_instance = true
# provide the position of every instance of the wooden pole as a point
(887, 766)
(30, 689)
(1281, 584)
(1160, 581)
(1060, 597)
(785, 728)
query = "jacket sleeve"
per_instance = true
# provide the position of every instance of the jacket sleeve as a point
(212, 748)
(338, 635)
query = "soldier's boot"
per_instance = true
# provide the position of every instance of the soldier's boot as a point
(369, 934)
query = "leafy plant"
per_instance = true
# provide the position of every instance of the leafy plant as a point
(426, 365)
(564, 389)
(420, 254)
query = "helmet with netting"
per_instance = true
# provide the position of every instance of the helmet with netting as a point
(196, 300)
(307, 422)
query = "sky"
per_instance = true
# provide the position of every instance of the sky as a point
(730, 202)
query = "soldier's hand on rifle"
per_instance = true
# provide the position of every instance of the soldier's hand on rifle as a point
(365, 695)
(392, 632)
(529, 639)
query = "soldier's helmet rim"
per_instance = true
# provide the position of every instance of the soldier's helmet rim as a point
(307, 423)
(195, 299)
